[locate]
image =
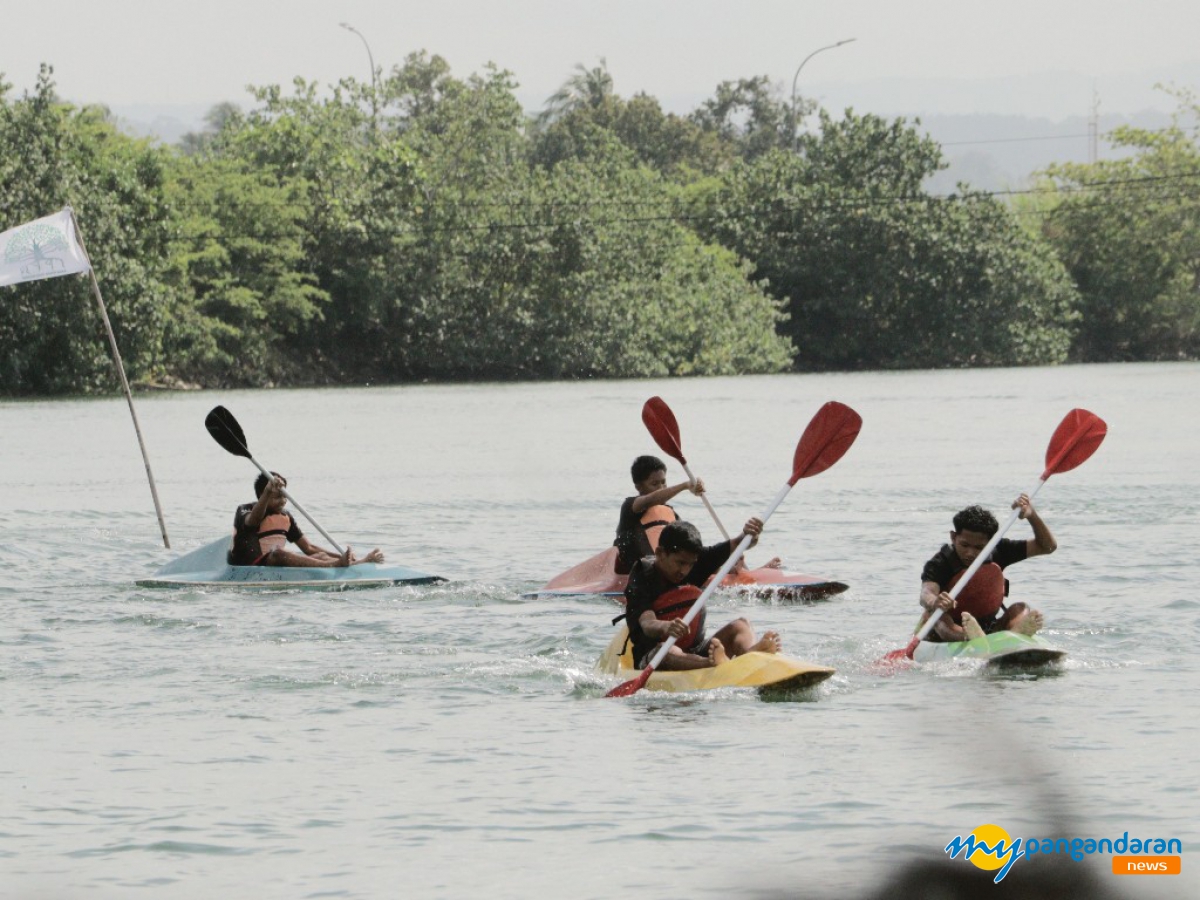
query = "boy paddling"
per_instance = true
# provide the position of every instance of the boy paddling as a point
(662, 588)
(980, 608)
(263, 529)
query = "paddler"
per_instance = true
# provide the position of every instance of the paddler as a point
(645, 514)
(662, 588)
(980, 608)
(263, 529)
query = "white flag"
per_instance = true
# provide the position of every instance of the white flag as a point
(45, 248)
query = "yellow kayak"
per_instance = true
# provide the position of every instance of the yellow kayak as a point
(756, 670)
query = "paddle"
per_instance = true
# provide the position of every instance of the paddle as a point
(1076, 438)
(226, 431)
(660, 422)
(825, 441)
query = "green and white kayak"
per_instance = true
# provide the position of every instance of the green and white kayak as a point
(209, 567)
(1002, 649)
(764, 671)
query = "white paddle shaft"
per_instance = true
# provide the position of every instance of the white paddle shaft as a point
(303, 511)
(704, 496)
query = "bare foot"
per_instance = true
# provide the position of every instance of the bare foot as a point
(971, 627)
(375, 556)
(346, 559)
(775, 563)
(716, 652)
(768, 643)
(1030, 623)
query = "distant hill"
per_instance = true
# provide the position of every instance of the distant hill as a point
(991, 152)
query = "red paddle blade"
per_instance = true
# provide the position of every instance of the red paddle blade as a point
(825, 440)
(1076, 438)
(660, 422)
(632, 686)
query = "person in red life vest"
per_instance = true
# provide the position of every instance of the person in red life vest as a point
(980, 608)
(263, 529)
(663, 587)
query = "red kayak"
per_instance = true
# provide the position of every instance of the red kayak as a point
(598, 575)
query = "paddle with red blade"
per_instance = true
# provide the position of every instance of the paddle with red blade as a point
(227, 431)
(660, 422)
(825, 441)
(1073, 442)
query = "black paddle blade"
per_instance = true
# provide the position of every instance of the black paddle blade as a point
(826, 439)
(226, 431)
(1076, 438)
(660, 422)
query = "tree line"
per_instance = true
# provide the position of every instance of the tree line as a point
(427, 227)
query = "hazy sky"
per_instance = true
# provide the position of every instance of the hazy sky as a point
(1040, 57)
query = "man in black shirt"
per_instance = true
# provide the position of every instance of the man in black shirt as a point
(656, 599)
(975, 613)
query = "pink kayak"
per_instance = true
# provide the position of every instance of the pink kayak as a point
(598, 575)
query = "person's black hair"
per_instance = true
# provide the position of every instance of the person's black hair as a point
(645, 466)
(260, 483)
(977, 519)
(680, 536)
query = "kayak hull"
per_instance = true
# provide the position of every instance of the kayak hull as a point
(1004, 649)
(598, 577)
(207, 568)
(764, 671)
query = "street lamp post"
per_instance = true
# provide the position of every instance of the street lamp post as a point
(796, 77)
(374, 84)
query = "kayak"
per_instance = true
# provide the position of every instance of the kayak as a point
(765, 671)
(209, 567)
(1004, 649)
(598, 576)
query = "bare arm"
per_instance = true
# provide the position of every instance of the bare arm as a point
(663, 495)
(659, 630)
(1043, 541)
(265, 499)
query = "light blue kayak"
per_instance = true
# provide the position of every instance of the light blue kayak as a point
(1003, 649)
(208, 567)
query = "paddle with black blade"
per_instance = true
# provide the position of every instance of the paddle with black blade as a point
(228, 433)
(660, 422)
(1074, 441)
(826, 439)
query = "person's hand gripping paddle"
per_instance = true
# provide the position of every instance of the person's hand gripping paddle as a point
(660, 422)
(825, 441)
(1073, 442)
(226, 431)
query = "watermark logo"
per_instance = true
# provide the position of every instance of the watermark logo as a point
(987, 847)
(990, 847)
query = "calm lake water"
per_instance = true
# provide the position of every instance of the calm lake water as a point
(452, 741)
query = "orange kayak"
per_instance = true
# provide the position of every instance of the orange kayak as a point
(598, 576)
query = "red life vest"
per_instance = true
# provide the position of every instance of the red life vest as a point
(983, 595)
(674, 604)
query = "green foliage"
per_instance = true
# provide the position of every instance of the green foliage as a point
(878, 274)
(53, 155)
(424, 226)
(1127, 231)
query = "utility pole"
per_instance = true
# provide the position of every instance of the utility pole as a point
(1094, 127)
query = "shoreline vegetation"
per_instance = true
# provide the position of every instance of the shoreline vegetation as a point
(426, 228)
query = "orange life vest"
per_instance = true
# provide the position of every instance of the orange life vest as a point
(653, 521)
(983, 595)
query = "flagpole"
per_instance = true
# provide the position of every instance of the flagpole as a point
(112, 342)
